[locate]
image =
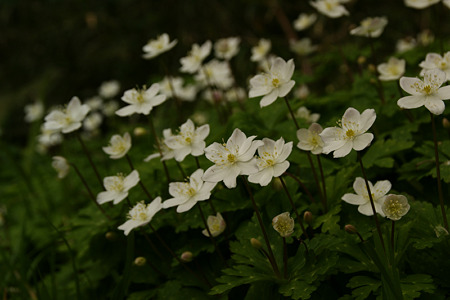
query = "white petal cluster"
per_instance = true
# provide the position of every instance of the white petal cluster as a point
(117, 187)
(34, 111)
(187, 194)
(109, 89)
(215, 73)
(395, 206)
(189, 140)
(310, 140)
(68, 119)
(405, 44)
(361, 198)
(271, 161)
(330, 8)
(283, 224)
(276, 83)
(216, 225)
(351, 134)
(141, 101)
(302, 47)
(227, 48)
(160, 45)
(260, 51)
(232, 159)
(370, 27)
(436, 61)
(118, 146)
(48, 138)
(392, 70)
(193, 62)
(61, 165)
(304, 21)
(426, 93)
(141, 214)
(420, 4)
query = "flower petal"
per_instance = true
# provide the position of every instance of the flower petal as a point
(344, 150)
(362, 141)
(410, 102)
(435, 106)
(354, 199)
(269, 98)
(381, 188)
(411, 85)
(444, 92)
(366, 209)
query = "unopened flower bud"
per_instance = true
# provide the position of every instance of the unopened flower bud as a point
(307, 217)
(111, 236)
(255, 243)
(284, 224)
(395, 206)
(361, 60)
(371, 68)
(446, 123)
(276, 183)
(187, 256)
(140, 261)
(139, 131)
(350, 229)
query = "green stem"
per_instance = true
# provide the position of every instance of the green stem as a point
(374, 61)
(292, 113)
(392, 235)
(140, 181)
(324, 199)
(152, 127)
(86, 152)
(285, 258)
(316, 179)
(302, 186)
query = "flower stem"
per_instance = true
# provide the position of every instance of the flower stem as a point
(302, 186)
(91, 195)
(292, 113)
(293, 207)
(177, 258)
(316, 179)
(261, 225)
(152, 127)
(140, 182)
(86, 152)
(392, 234)
(197, 162)
(375, 217)
(285, 258)
(438, 173)
(324, 199)
(374, 61)
(152, 245)
(213, 240)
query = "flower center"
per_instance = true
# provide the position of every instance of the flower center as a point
(350, 133)
(140, 98)
(231, 158)
(191, 192)
(427, 89)
(275, 82)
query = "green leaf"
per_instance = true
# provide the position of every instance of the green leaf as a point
(363, 286)
(414, 285)
(329, 221)
(381, 152)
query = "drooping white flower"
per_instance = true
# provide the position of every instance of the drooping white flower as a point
(227, 48)
(68, 119)
(352, 133)
(310, 140)
(187, 194)
(193, 62)
(232, 159)
(34, 111)
(141, 214)
(271, 161)
(215, 73)
(260, 51)
(61, 166)
(190, 140)
(117, 187)
(361, 198)
(395, 206)
(302, 47)
(304, 21)
(109, 89)
(283, 224)
(118, 146)
(392, 70)
(330, 8)
(216, 225)
(420, 4)
(276, 83)
(370, 27)
(141, 101)
(426, 93)
(304, 113)
(160, 45)
(436, 61)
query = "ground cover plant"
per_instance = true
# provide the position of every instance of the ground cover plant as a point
(310, 165)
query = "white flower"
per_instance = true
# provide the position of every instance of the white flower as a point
(304, 113)
(117, 187)
(436, 61)
(362, 199)
(227, 48)
(446, 3)
(351, 134)
(216, 225)
(235, 93)
(283, 224)
(118, 146)
(276, 83)
(302, 92)
(193, 62)
(370, 27)
(190, 140)
(155, 47)
(95, 103)
(302, 47)
(395, 206)
(271, 161)
(232, 159)
(110, 108)
(260, 51)
(61, 166)
(330, 8)
(92, 122)
(49, 138)
(405, 44)
(425, 93)
(34, 112)
(109, 89)
(392, 70)
(420, 4)
(171, 86)
(304, 21)
(167, 153)
(215, 73)
(425, 37)
(141, 101)
(68, 119)
(187, 194)
(310, 140)
(141, 214)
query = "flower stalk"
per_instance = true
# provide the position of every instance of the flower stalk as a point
(140, 182)
(324, 198)
(86, 152)
(152, 127)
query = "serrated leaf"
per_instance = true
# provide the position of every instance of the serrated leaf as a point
(329, 221)
(413, 285)
(382, 149)
(363, 286)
